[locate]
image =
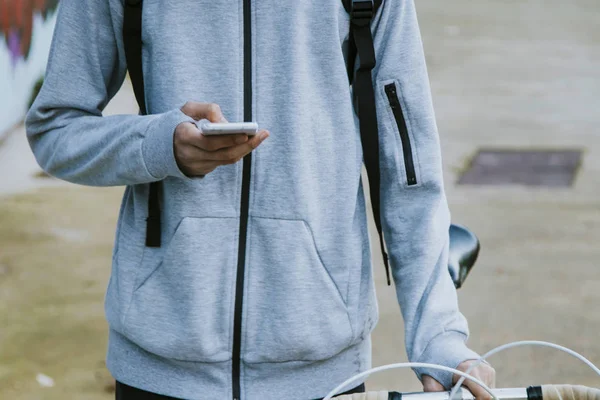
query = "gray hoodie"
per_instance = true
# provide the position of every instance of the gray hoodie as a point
(305, 293)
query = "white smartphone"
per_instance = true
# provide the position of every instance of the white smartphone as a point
(228, 128)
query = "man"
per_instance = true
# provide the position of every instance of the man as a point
(259, 284)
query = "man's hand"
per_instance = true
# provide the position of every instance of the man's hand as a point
(484, 372)
(197, 154)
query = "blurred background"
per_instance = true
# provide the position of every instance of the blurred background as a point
(516, 87)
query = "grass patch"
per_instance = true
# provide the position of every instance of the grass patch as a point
(465, 164)
(55, 256)
(42, 175)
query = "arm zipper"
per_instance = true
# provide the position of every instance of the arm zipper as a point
(392, 95)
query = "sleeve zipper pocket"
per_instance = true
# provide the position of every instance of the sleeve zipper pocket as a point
(392, 95)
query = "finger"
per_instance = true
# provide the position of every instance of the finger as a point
(431, 385)
(198, 111)
(482, 371)
(488, 375)
(485, 374)
(235, 153)
(191, 135)
(477, 391)
(214, 143)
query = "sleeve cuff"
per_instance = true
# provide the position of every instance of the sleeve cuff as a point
(157, 147)
(447, 349)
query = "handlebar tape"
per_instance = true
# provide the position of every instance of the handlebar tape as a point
(569, 392)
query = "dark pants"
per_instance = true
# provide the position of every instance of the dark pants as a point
(125, 392)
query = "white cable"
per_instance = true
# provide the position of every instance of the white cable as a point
(409, 365)
(520, 344)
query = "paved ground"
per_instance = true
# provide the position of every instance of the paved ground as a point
(512, 75)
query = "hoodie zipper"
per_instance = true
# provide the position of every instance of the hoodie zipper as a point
(245, 204)
(392, 95)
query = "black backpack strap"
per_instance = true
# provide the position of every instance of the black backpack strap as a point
(361, 16)
(351, 56)
(132, 39)
(351, 59)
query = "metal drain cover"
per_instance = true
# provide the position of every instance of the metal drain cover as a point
(552, 168)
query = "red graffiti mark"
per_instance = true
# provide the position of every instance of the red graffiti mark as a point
(16, 24)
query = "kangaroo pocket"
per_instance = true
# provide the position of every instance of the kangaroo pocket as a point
(180, 307)
(294, 310)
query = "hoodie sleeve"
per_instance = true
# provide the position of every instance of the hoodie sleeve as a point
(66, 130)
(415, 213)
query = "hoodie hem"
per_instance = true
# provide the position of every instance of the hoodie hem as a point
(138, 368)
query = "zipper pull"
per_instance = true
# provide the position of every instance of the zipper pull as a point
(390, 90)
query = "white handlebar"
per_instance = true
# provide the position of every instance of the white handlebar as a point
(549, 392)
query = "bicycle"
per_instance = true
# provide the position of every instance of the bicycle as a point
(545, 392)
(464, 250)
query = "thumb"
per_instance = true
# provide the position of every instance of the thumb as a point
(431, 385)
(198, 111)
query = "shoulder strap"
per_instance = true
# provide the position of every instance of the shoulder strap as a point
(351, 59)
(361, 44)
(132, 39)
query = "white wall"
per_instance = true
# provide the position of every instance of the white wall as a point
(17, 81)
